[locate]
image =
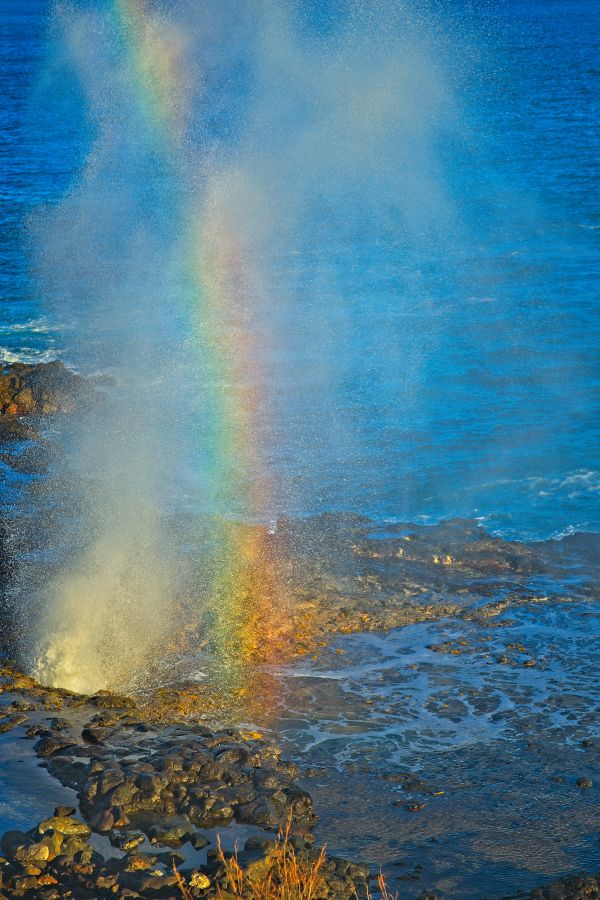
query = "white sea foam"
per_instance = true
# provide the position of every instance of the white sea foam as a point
(28, 355)
(33, 326)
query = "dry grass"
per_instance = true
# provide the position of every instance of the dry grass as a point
(281, 875)
(182, 886)
(383, 892)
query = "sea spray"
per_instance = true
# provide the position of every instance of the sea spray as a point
(106, 260)
(220, 144)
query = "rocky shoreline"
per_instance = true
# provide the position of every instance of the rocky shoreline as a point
(155, 783)
(151, 784)
(154, 791)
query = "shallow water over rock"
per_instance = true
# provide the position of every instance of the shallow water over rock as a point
(449, 752)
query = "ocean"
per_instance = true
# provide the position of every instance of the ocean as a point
(450, 376)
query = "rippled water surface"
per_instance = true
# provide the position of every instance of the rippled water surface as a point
(445, 758)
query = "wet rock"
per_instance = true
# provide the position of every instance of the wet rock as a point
(74, 844)
(12, 840)
(22, 706)
(141, 782)
(170, 835)
(76, 870)
(121, 820)
(7, 723)
(584, 782)
(48, 746)
(170, 763)
(13, 429)
(158, 885)
(45, 388)
(171, 858)
(150, 783)
(289, 769)
(232, 755)
(198, 841)
(53, 840)
(412, 807)
(95, 735)
(66, 825)
(103, 822)
(139, 862)
(126, 842)
(58, 724)
(109, 779)
(359, 871)
(37, 854)
(24, 884)
(574, 887)
(24, 401)
(199, 881)
(62, 811)
(259, 843)
(123, 794)
(262, 812)
(109, 700)
(68, 771)
(106, 882)
(313, 772)
(38, 731)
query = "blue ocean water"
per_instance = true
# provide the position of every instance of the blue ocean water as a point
(452, 374)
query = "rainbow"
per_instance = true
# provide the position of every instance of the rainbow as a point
(247, 590)
(152, 55)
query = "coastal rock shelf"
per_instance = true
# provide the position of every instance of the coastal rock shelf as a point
(350, 574)
(156, 794)
(146, 783)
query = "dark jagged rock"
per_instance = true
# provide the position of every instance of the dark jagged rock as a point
(95, 735)
(12, 428)
(178, 777)
(48, 746)
(7, 723)
(110, 700)
(164, 785)
(574, 887)
(45, 388)
(55, 859)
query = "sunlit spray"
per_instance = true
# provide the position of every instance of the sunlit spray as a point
(218, 137)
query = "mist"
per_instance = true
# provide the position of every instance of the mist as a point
(236, 160)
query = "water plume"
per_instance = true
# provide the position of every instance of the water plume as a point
(222, 146)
